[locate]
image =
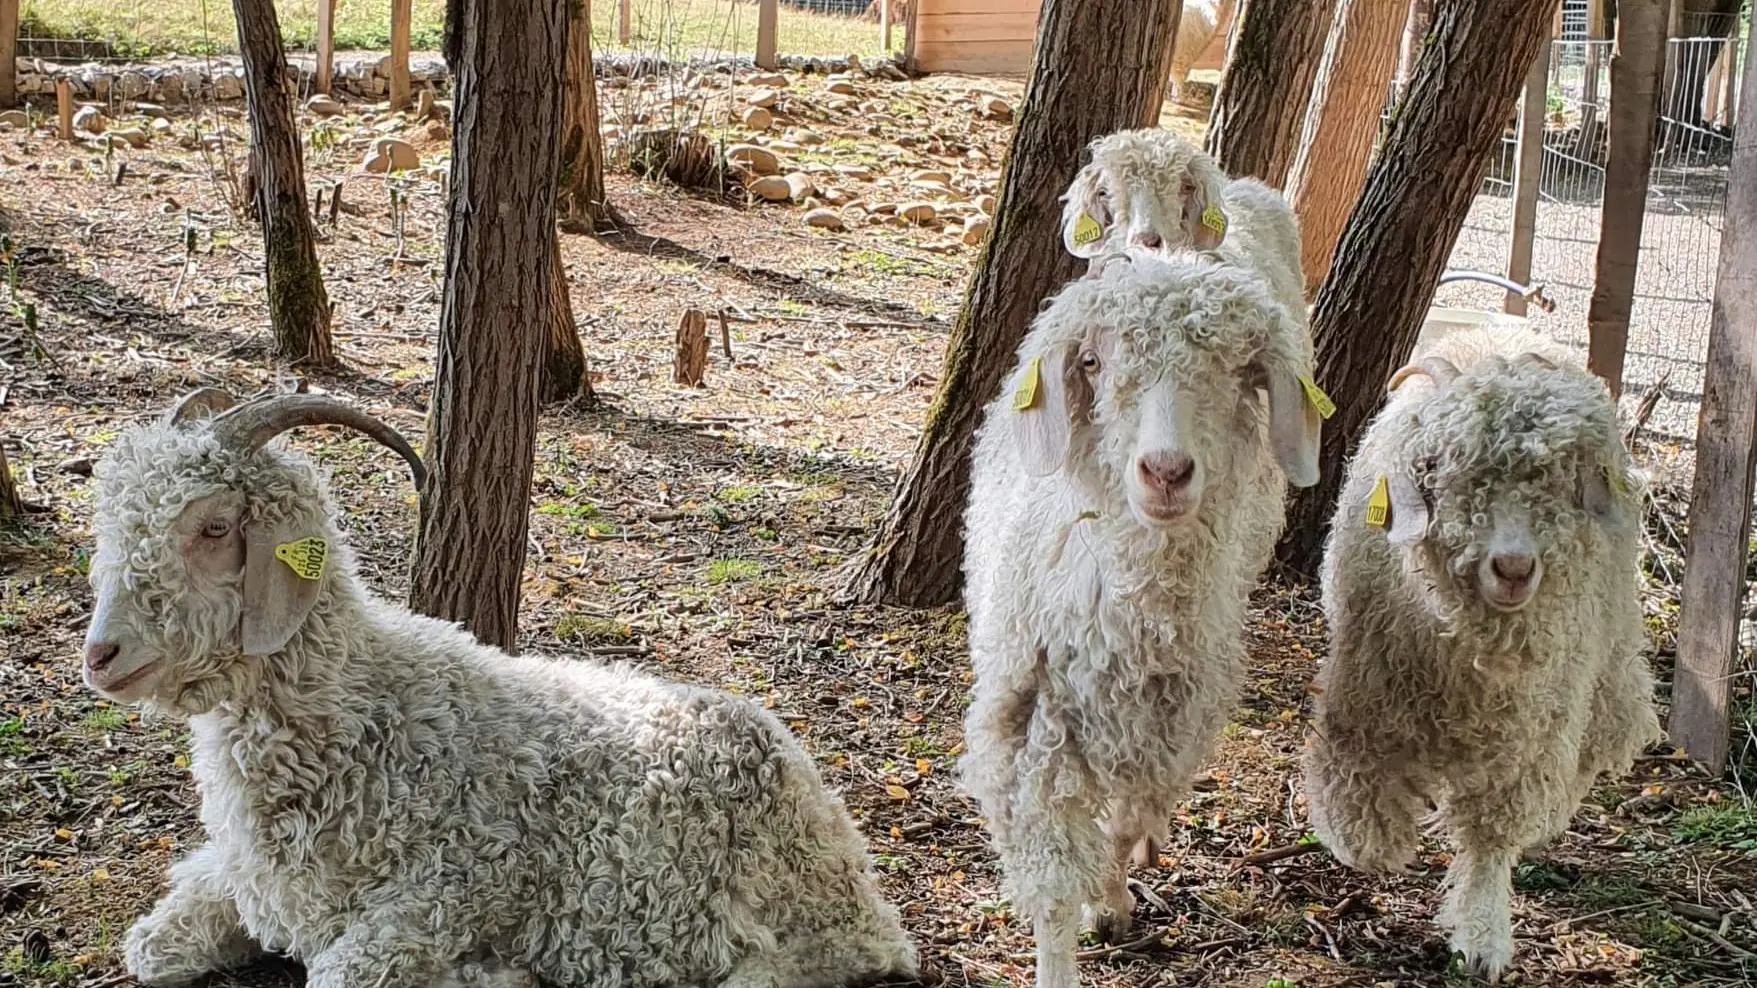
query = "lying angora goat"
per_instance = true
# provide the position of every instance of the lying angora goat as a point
(395, 804)
(1127, 487)
(1486, 634)
(1152, 190)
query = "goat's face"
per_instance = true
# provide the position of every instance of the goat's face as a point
(211, 552)
(1145, 190)
(1158, 393)
(1508, 472)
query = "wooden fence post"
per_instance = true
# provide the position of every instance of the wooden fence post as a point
(767, 13)
(326, 45)
(401, 16)
(1528, 176)
(885, 26)
(624, 21)
(1726, 445)
(64, 108)
(8, 54)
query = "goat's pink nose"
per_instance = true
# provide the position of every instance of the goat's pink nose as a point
(100, 654)
(1149, 240)
(1513, 567)
(1167, 471)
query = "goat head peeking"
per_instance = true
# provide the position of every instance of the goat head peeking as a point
(210, 547)
(1145, 381)
(1506, 468)
(1146, 189)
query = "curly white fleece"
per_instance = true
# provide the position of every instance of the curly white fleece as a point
(1428, 694)
(394, 804)
(1107, 653)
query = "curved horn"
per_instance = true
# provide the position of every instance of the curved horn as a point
(250, 426)
(202, 403)
(1438, 368)
(1535, 360)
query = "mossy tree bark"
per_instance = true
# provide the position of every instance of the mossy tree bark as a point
(1370, 309)
(298, 306)
(498, 301)
(1259, 109)
(1098, 68)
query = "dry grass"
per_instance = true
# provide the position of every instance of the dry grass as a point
(144, 27)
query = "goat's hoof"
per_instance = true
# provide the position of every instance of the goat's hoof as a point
(1486, 958)
(1112, 926)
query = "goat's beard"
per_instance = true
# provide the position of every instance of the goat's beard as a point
(1495, 641)
(200, 686)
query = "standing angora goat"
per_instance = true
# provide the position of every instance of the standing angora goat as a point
(1486, 634)
(397, 805)
(1116, 524)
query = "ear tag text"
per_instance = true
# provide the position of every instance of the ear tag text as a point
(1086, 230)
(1379, 504)
(1026, 396)
(1318, 398)
(304, 557)
(1215, 220)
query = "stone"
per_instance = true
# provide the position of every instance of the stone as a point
(751, 158)
(800, 186)
(808, 138)
(151, 110)
(134, 136)
(389, 154)
(757, 118)
(824, 219)
(771, 80)
(784, 147)
(160, 125)
(438, 131)
(324, 106)
(90, 120)
(764, 98)
(917, 212)
(994, 108)
(835, 197)
(228, 86)
(930, 175)
(771, 187)
(15, 118)
(986, 204)
(131, 85)
(840, 87)
(853, 216)
(975, 228)
(857, 172)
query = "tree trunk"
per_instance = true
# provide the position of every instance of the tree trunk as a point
(1341, 122)
(8, 54)
(11, 507)
(1371, 307)
(1255, 127)
(564, 357)
(298, 306)
(1635, 76)
(580, 186)
(498, 302)
(1415, 32)
(1096, 70)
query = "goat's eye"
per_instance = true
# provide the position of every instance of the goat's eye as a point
(1088, 361)
(217, 529)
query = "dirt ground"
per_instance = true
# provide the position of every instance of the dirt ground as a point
(703, 533)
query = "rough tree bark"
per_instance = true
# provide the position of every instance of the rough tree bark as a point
(1096, 69)
(1270, 66)
(500, 236)
(579, 198)
(1415, 32)
(1341, 122)
(1636, 66)
(11, 507)
(298, 306)
(1370, 309)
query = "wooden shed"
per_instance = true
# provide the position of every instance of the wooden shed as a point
(990, 37)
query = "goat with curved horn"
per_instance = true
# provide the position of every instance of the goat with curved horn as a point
(1439, 368)
(251, 425)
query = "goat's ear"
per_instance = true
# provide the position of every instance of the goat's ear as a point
(1086, 218)
(1409, 510)
(1203, 220)
(1048, 397)
(1295, 428)
(1594, 487)
(283, 568)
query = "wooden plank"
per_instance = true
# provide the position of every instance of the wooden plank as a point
(401, 19)
(976, 58)
(326, 45)
(960, 29)
(1528, 176)
(1720, 499)
(944, 8)
(8, 54)
(767, 14)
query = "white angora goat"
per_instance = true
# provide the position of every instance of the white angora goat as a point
(1127, 488)
(1481, 585)
(397, 805)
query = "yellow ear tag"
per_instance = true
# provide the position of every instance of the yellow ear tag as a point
(1619, 481)
(1215, 220)
(1318, 398)
(1026, 396)
(1086, 230)
(304, 557)
(1379, 504)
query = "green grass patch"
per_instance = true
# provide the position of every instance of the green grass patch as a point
(1731, 827)
(723, 571)
(579, 512)
(738, 495)
(594, 630)
(107, 719)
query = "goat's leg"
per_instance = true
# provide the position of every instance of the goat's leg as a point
(1479, 887)
(1131, 840)
(194, 930)
(1364, 803)
(384, 950)
(1058, 937)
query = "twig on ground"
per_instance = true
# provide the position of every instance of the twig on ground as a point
(1563, 924)
(1275, 854)
(1693, 928)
